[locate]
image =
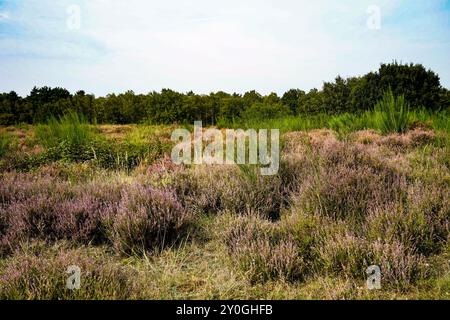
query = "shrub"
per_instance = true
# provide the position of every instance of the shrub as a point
(347, 182)
(238, 189)
(421, 223)
(39, 272)
(261, 253)
(393, 113)
(50, 210)
(349, 255)
(147, 219)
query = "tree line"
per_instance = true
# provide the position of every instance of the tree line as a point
(420, 87)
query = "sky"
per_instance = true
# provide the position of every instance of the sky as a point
(111, 46)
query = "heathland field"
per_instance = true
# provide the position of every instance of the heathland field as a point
(352, 191)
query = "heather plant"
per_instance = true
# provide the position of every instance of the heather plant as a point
(421, 223)
(350, 255)
(29, 219)
(50, 210)
(260, 252)
(80, 220)
(212, 189)
(37, 271)
(348, 181)
(146, 219)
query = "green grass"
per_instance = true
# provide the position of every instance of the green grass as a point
(5, 143)
(393, 113)
(286, 124)
(378, 120)
(71, 129)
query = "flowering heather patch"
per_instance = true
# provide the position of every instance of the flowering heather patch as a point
(127, 216)
(338, 205)
(20, 186)
(348, 181)
(260, 252)
(146, 219)
(350, 256)
(56, 212)
(212, 189)
(39, 271)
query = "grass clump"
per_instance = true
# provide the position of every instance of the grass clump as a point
(392, 113)
(5, 143)
(69, 138)
(71, 128)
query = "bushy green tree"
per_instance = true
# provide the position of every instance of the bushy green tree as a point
(292, 99)
(265, 110)
(420, 86)
(312, 102)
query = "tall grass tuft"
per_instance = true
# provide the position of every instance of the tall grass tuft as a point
(392, 113)
(69, 138)
(5, 142)
(72, 129)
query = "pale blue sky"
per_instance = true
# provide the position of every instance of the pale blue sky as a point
(210, 45)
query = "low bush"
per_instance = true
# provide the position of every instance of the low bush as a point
(261, 253)
(133, 218)
(421, 222)
(349, 255)
(348, 181)
(212, 189)
(146, 219)
(37, 271)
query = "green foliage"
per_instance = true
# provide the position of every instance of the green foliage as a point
(266, 110)
(419, 86)
(5, 142)
(292, 99)
(344, 123)
(336, 95)
(393, 113)
(70, 128)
